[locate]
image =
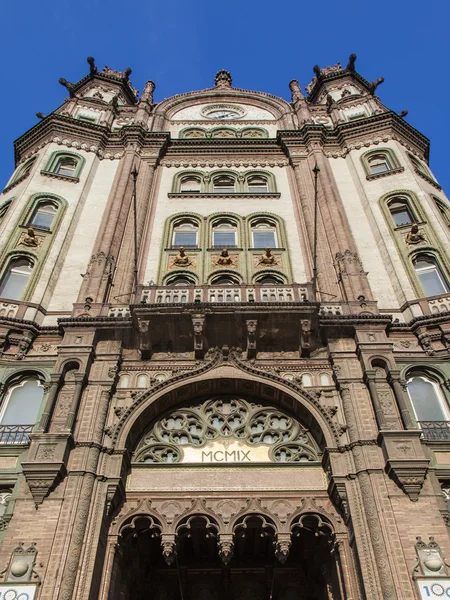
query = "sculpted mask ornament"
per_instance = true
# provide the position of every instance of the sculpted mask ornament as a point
(268, 258)
(415, 235)
(182, 260)
(30, 239)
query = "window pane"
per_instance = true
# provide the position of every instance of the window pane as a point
(224, 238)
(43, 216)
(401, 216)
(264, 239)
(190, 185)
(66, 166)
(23, 404)
(378, 165)
(15, 280)
(432, 282)
(426, 402)
(185, 238)
(224, 185)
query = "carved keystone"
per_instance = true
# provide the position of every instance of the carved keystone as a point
(226, 548)
(251, 337)
(198, 322)
(282, 547)
(169, 549)
(145, 346)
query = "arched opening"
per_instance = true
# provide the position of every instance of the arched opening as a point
(252, 562)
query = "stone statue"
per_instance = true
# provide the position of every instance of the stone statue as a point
(373, 86)
(267, 258)
(69, 87)
(92, 68)
(30, 239)
(295, 90)
(181, 260)
(351, 62)
(224, 258)
(414, 236)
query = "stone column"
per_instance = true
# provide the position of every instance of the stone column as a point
(370, 381)
(51, 401)
(399, 394)
(112, 553)
(80, 379)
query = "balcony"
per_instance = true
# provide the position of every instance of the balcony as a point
(15, 434)
(435, 431)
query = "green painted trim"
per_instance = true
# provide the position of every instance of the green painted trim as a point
(240, 178)
(11, 249)
(56, 156)
(390, 154)
(208, 133)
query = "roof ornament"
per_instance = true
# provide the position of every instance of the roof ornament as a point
(351, 63)
(92, 67)
(40, 115)
(374, 84)
(295, 90)
(69, 87)
(223, 79)
(147, 94)
(403, 114)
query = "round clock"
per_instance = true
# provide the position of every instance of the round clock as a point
(223, 112)
(10, 595)
(23, 596)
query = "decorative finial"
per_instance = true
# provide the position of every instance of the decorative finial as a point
(318, 71)
(403, 114)
(373, 86)
(351, 62)
(93, 68)
(69, 87)
(40, 115)
(147, 94)
(330, 102)
(223, 79)
(295, 90)
(127, 73)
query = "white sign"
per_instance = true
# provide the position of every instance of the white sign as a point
(434, 588)
(17, 591)
(225, 451)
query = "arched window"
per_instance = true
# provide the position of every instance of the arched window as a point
(430, 275)
(225, 279)
(43, 215)
(420, 166)
(23, 171)
(257, 184)
(306, 380)
(442, 208)
(193, 133)
(378, 163)
(142, 381)
(223, 133)
(427, 399)
(190, 184)
(15, 278)
(5, 499)
(179, 280)
(4, 209)
(264, 235)
(270, 280)
(224, 235)
(19, 409)
(401, 212)
(66, 165)
(224, 184)
(325, 379)
(254, 133)
(185, 234)
(124, 381)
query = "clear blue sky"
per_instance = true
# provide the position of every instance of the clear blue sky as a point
(182, 43)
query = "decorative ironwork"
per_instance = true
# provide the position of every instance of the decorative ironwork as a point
(15, 434)
(225, 418)
(435, 430)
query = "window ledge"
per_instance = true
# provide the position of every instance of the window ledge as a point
(270, 195)
(385, 173)
(14, 183)
(427, 178)
(58, 176)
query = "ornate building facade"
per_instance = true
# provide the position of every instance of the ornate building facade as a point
(224, 348)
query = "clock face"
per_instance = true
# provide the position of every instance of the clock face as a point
(10, 595)
(223, 112)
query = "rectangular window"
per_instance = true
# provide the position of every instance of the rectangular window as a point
(264, 239)
(185, 238)
(224, 238)
(401, 217)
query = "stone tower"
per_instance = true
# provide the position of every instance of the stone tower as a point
(224, 348)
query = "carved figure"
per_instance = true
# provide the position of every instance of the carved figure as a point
(268, 258)
(414, 236)
(351, 62)
(30, 239)
(182, 260)
(224, 258)
(92, 68)
(69, 87)
(223, 79)
(330, 102)
(373, 86)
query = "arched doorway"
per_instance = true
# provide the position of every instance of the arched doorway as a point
(251, 565)
(227, 498)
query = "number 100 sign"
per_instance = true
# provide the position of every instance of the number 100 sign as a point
(432, 589)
